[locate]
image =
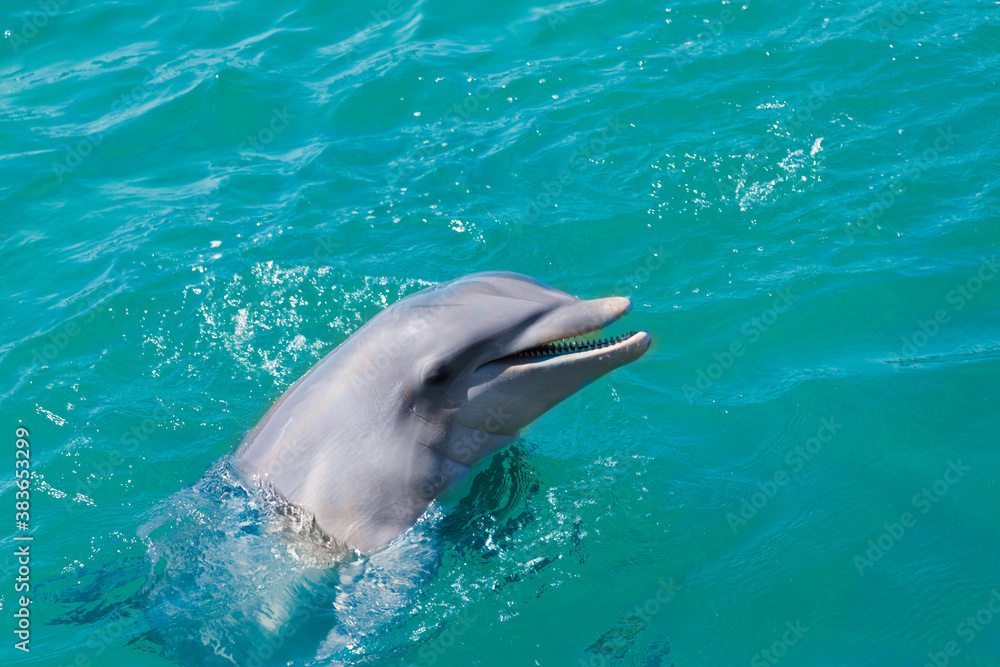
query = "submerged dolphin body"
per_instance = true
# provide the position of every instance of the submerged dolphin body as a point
(387, 421)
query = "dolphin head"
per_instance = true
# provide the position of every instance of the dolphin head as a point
(490, 352)
(400, 410)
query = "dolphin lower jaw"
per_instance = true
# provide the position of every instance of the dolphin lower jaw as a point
(528, 386)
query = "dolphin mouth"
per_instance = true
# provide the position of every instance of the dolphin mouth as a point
(574, 340)
(575, 345)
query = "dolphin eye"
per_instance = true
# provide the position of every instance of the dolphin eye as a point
(437, 376)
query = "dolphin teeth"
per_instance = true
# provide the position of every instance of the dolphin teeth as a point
(561, 347)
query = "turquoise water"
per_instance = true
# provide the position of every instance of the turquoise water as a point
(801, 201)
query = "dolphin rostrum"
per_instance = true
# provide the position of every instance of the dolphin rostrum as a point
(379, 427)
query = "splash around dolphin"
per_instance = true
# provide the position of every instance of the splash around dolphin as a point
(382, 425)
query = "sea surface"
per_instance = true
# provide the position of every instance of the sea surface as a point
(801, 200)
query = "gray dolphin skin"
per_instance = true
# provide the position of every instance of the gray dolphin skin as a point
(378, 428)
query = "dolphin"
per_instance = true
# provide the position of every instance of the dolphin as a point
(383, 424)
